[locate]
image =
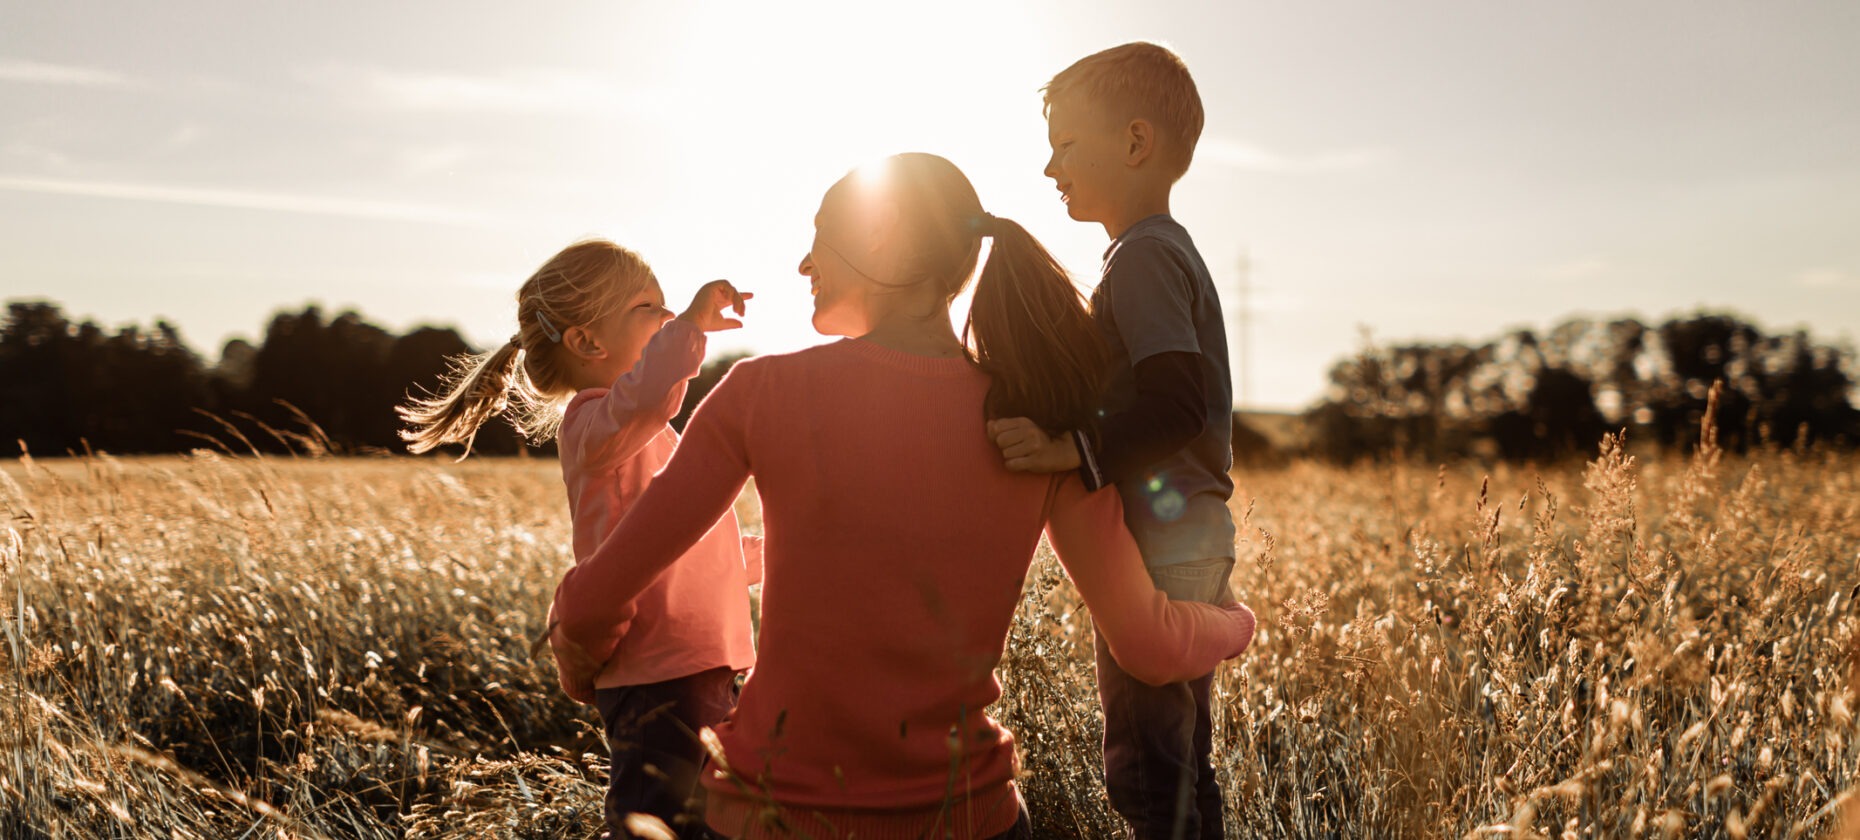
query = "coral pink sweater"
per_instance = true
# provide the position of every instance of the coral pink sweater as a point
(613, 440)
(896, 548)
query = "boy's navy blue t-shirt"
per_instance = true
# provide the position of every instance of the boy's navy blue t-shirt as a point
(1156, 296)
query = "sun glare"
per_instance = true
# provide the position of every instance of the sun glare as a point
(770, 107)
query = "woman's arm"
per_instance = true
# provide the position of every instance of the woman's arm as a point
(594, 602)
(616, 425)
(1156, 640)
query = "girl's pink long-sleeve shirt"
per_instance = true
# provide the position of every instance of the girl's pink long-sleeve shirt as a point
(613, 441)
(896, 548)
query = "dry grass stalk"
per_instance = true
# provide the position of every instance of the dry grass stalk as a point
(1662, 647)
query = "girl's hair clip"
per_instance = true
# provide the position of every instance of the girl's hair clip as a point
(548, 329)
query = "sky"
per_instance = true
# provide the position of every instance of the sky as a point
(1415, 171)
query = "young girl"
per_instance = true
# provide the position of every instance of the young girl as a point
(599, 363)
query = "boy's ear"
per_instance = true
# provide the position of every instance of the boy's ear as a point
(582, 343)
(1140, 142)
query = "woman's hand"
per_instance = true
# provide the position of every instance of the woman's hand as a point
(575, 669)
(706, 309)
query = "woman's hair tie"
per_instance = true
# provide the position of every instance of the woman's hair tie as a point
(984, 224)
(548, 329)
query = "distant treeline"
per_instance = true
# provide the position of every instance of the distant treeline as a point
(1530, 395)
(312, 384)
(318, 384)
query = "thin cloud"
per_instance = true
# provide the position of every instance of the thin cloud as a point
(42, 73)
(39, 155)
(1225, 152)
(544, 90)
(353, 208)
(1587, 268)
(184, 136)
(1828, 278)
(426, 160)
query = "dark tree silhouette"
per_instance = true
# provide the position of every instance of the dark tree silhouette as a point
(318, 383)
(311, 384)
(708, 376)
(65, 387)
(1532, 396)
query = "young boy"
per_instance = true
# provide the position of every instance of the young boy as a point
(1123, 124)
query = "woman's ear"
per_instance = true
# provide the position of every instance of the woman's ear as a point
(583, 343)
(1140, 140)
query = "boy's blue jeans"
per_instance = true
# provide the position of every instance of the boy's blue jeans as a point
(1157, 739)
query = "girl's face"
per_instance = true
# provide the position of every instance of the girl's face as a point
(623, 333)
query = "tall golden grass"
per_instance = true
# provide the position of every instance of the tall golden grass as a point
(261, 647)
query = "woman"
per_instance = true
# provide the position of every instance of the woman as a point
(896, 542)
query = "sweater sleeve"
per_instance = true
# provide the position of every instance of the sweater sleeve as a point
(594, 601)
(1155, 639)
(1170, 411)
(614, 426)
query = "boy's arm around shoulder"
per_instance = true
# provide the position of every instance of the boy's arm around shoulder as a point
(1170, 411)
(1148, 296)
(1155, 639)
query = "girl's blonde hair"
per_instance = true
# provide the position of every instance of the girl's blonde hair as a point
(528, 374)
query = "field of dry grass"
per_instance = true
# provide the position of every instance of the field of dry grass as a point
(243, 648)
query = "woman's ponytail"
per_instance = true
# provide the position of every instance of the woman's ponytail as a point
(1032, 333)
(478, 388)
(1028, 326)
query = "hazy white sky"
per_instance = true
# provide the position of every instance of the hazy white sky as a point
(1428, 170)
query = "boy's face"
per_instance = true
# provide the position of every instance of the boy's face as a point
(1088, 158)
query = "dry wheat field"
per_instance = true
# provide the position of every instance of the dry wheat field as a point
(250, 647)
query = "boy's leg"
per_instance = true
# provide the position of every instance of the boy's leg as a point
(1208, 803)
(1157, 739)
(1148, 742)
(657, 757)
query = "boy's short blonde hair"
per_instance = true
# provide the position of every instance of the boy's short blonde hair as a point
(1138, 80)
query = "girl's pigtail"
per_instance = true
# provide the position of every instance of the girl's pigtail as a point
(478, 388)
(1032, 332)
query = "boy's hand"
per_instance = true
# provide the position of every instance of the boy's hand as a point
(706, 309)
(1026, 447)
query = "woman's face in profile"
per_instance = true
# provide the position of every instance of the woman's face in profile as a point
(841, 289)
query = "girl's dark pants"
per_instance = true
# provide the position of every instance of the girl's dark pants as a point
(657, 757)
(1022, 830)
